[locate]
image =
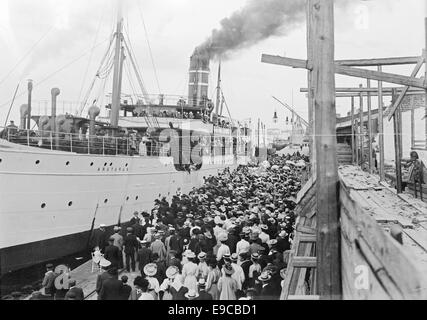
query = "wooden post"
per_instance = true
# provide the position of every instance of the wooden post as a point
(311, 57)
(328, 232)
(381, 127)
(361, 132)
(425, 64)
(371, 162)
(353, 140)
(397, 147)
(412, 128)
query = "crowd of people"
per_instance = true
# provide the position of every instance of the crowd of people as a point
(227, 240)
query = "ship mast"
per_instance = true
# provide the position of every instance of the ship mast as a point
(218, 89)
(118, 68)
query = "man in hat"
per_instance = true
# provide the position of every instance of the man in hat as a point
(263, 235)
(203, 295)
(118, 242)
(111, 288)
(158, 247)
(130, 244)
(48, 283)
(238, 274)
(255, 242)
(202, 267)
(254, 269)
(223, 248)
(283, 243)
(174, 261)
(245, 265)
(100, 238)
(144, 255)
(101, 278)
(74, 291)
(112, 253)
(227, 286)
(135, 219)
(265, 288)
(243, 245)
(161, 268)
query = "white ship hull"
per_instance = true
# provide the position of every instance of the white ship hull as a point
(48, 198)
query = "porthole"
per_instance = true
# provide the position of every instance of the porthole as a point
(106, 200)
(67, 163)
(38, 161)
(127, 198)
(105, 164)
(126, 164)
(91, 164)
(1, 160)
(136, 198)
(43, 205)
(70, 203)
(111, 164)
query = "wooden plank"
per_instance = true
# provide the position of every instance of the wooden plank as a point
(304, 262)
(349, 71)
(307, 238)
(353, 139)
(374, 94)
(379, 61)
(381, 127)
(305, 189)
(306, 230)
(380, 76)
(399, 264)
(372, 91)
(418, 236)
(402, 94)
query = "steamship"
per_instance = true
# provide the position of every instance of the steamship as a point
(75, 171)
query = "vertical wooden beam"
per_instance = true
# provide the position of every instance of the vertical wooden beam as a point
(381, 127)
(397, 157)
(371, 162)
(425, 65)
(311, 73)
(353, 140)
(412, 128)
(361, 133)
(328, 231)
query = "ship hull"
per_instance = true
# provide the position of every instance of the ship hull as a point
(49, 199)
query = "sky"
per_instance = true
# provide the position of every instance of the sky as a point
(60, 43)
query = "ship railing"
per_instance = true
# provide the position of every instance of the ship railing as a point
(83, 143)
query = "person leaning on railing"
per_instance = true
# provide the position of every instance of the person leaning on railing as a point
(416, 173)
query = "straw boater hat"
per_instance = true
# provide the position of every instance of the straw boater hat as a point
(172, 272)
(264, 277)
(234, 257)
(150, 269)
(201, 255)
(202, 283)
(255, 256)
(191, 294)
(104, 263)
(190, 255)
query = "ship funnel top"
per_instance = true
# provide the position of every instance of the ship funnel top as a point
(94, 111)
(55, 92)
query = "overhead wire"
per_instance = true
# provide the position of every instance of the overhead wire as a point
(55, 73)
(26, 55)
(149, 46)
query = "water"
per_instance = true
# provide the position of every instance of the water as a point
(30, 279)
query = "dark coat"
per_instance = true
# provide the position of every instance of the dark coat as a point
(126, 290)
(100, 239)
(78, 293)
(130, 243)
(203, 295)
(101, 279)
(144, 257)
(112, 289)
(113, 254)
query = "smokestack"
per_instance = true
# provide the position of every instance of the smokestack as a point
(93, 113)
(199, 79)
(30, 91)
(24, 112)
(55, 93)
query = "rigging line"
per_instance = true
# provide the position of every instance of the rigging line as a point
(54, 73)
(101, 18)
(226, 105)
(149, 46)
(11, 105)
(84, 102)
(26, 55)
(138, 69)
